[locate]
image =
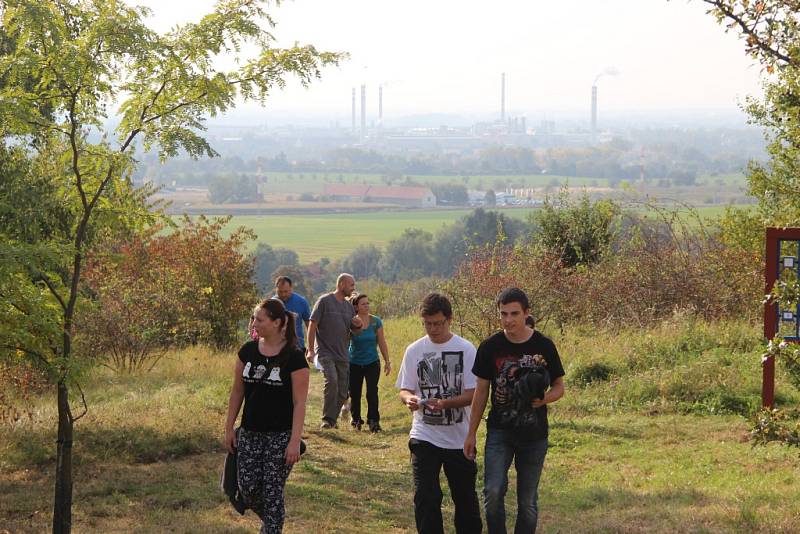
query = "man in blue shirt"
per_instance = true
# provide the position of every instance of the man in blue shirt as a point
(296, 304)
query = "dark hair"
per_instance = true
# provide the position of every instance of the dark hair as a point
(435, 303)
(530, 321)
(282, 279)
(276, 311)
(513, 294)
(355, 298)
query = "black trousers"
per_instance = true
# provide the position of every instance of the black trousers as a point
(358, 375)
(427, 461)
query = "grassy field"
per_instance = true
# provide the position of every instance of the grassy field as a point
(657, 445)
(335, 235)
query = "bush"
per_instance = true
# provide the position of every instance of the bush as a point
(640, 282)
(776, 425)
(591, 372)
(158, 291)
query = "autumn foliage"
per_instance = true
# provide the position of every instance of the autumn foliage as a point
(159, 291)
(637, 283)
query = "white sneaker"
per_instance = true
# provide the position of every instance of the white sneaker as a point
(344, 413)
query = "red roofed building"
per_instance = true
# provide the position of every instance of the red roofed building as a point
(418, 197)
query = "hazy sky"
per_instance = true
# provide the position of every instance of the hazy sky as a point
(446, 56)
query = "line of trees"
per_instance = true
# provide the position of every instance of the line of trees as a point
(663, 155)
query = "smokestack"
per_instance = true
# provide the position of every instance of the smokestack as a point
(353, 128)
(503, 97)
(594, 111)
(380, 106)
(363, 111)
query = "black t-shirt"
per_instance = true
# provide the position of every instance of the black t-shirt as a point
(503, 363)
(268, 403)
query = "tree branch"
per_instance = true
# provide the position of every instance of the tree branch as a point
(85, 406)
(28, 351)
(73, 132)
(728, 12)
(44, 278)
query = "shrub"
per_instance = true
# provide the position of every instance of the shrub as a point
(776, 425)
(591, 372)
(640, 282)
(157, 291)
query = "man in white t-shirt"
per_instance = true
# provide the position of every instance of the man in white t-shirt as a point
(436, 383)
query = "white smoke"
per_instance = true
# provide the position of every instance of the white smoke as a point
(610, 71)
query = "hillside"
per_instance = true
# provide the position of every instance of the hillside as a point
(650, 437)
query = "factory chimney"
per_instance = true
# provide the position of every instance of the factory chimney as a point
(363, 111)
(594, 112)
(353, 128)
(503, 97)
(380, 106)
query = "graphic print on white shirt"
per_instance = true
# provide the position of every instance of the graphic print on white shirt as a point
(441, 376)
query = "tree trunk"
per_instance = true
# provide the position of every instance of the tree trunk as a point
(62, 504)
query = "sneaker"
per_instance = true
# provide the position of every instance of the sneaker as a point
(326, 425)
(357, 424)
(344, 413)
(374, 426)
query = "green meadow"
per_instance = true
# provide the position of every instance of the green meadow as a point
(335, 235)
(650, 438)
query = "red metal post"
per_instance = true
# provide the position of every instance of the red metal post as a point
(770, 319)
(771, 270)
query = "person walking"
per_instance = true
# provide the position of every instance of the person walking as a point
(365, 365)
(297, 304)
(517, 364)
(271, 377)
(332, 320)
(436, 385)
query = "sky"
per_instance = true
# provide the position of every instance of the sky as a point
(447, 56)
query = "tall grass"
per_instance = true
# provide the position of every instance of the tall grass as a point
(649, 438)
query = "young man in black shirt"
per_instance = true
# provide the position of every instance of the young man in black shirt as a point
(516, 365)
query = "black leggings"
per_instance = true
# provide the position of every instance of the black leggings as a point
(359, 373)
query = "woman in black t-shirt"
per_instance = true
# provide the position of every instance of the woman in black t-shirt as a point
(271, 377)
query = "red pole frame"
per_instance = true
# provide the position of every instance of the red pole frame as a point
(771, 268)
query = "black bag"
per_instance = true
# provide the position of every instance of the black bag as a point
(229, 481)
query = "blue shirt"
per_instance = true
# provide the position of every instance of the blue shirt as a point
(364, 345)
(299, 306)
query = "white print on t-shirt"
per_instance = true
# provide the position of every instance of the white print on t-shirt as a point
(526, 360)
(260, 370)
(441, 377)
(246, 371)
(274, 378)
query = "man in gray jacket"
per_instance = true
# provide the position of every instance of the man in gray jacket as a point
(332, 320)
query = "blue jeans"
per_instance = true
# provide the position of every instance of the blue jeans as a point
(501, 447)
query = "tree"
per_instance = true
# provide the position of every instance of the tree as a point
(227, 188)
(362, 262)
(83, 56)
(267, 261)
(450, 193)
(579, 232)
(490, 199)
(771, 29)
(408, 257)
